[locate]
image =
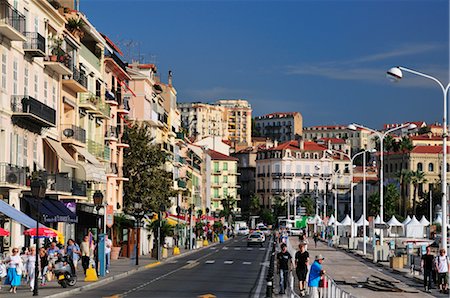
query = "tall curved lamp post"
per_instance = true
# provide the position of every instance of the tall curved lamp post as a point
(396, 74)
(381, 137)
(38, 187)
(138, 213)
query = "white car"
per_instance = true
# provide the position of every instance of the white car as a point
(255, 239)
(243, 231)
(295, 231)
(265, 230)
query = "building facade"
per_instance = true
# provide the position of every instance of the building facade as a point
(239, 121)
(279, 127)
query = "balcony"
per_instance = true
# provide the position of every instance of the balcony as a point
(96, 149)
(111, 97)
(343, 186)
(12, 22)
(94, 104)
(276, 190)
(261, 175)
(106, 153)
(216, 185)
(180, 135)
(12, 176)
(260, 190)
(79, 188)
(288, 175)
(61, 63)
(181, 183)
(277, 175)
(57, 183)
(90, 58)
(112, 169)
(35, 44)
(71, 133)
(124, 107)
(31, 113)
(112, 133)
(77, 81)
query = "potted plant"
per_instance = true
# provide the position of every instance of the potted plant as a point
(56, 48)
(74, 26)
(55, 4)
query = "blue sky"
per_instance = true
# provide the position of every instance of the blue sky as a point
(325, 59)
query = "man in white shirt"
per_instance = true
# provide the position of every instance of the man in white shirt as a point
(108, 245)
(442, 265)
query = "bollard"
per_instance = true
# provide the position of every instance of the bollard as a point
(269, 288)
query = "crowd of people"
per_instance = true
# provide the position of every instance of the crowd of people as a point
(19, 266)
(301, 263)
(435, 270)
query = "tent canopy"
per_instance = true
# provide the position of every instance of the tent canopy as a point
(360, 222)
(424, 221)
(393, 222)
(378, 220)
(407, 220)
(414, 229)
(346, 221)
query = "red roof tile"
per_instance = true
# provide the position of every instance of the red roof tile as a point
(332, 140)
(219, 156)
(293, 145)
(429, 149)
(112, 44)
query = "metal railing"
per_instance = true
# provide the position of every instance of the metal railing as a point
(97, 149)
(80, 77)
(79, 188)
(59, 182)
(112, 132)
(90, 57)
(11, 16)
(12, 174)
(28, 105)
(79, 134)
(35, 41)
(96, 101)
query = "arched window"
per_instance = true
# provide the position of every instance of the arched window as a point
(419, 166)
(430, 167)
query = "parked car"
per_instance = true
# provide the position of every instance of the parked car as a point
(265, 230)
(243, 230)
(295, 231)
(255, 239)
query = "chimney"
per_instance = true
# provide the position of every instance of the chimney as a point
(301, 143)
(169, 81)
(275, 143)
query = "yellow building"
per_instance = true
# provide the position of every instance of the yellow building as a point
(239, 118)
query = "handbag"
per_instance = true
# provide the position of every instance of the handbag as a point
(323, 283)
(19, 269)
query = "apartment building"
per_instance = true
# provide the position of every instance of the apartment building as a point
(359, 139)
(239, 121)
(301, 168)
(279, 127)
(201, 120)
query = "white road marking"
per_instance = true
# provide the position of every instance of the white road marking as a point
(237, 248)
(262, 248)
(262, 275)
(172, 262)
(190, 261)
(225, 248)
(210, 262)
(228, 262)
(213, 248)
(249, 248)
(246, 263)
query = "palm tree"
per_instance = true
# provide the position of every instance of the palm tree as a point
(404, 146)
(404, 178)
(416, 178)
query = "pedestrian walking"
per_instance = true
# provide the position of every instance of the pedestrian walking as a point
(108, 245)
(85, 249)
(284, 259)
(14, 275)
(30, 267)
(316, 239)
(73, 251)
(301, 267)
(426, 265)
(43, 261)
(442, 263)
(315, 275)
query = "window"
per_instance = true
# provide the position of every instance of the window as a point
(276, 168)
(15, 76)
(419, 166)
(225, 166)
(45, 91)
(225, 192)
(216, 167)
(225, 179)
(25, 151)
(4, 67)
(53, 95)
(35, 150)
(25, 79)
(36, 86)
(216, 192)
(216, 179)
(430, 167)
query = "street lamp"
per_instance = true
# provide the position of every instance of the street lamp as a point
(38, 187)
(396, 74)
(98, 202)
(381, 137)
(138, 213)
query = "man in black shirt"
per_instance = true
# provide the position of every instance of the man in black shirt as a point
(427, 267)
(284, 259)
(301, 266)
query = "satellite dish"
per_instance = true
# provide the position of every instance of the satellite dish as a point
(68, 132)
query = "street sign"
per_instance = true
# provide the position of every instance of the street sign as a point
(381, 226)
(302, 211)
(109, 216)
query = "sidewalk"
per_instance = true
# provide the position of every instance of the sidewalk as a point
(118, 269)
(352, 274)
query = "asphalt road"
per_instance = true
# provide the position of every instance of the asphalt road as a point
(227, 270)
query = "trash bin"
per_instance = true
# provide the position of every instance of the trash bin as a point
(221, 238)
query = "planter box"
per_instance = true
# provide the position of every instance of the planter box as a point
(115, 251)
(396, 262)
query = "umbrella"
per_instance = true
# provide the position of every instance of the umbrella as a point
(3, 232)
(43, 232)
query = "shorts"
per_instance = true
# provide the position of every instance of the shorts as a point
(301, 273)
(442, 278)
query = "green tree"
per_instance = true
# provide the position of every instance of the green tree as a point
(255, 206)
(417, 177)
(373, 204)
(391, 197)
(405, 146)
(279, 207)
(404, 178)
(267, 216)
(308, 203)
(143, 164)
(228, 204)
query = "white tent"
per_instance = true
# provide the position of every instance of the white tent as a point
(396, 228)
(346, 221)
(424, 221)
(360, 222)
(315, 220)
(378, 220)
(438, 219)
(332, 221)
(406, 221)
(414, 229)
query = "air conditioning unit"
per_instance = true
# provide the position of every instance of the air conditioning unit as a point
(11, 178)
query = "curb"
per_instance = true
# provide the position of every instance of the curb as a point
(110, 279)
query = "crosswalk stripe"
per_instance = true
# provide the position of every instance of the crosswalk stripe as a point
(228, 262)
(237, 248)
(246, 263)
(210, 262)
(262, 248)
(190, 261)
(225, 248)
(249, 248)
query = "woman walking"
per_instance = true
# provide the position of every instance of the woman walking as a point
(14, 276)
(30, 267)
(43, 258)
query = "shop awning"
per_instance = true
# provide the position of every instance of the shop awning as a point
(62, 153)
(53, 210)
(16, 215)
(93, 168)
